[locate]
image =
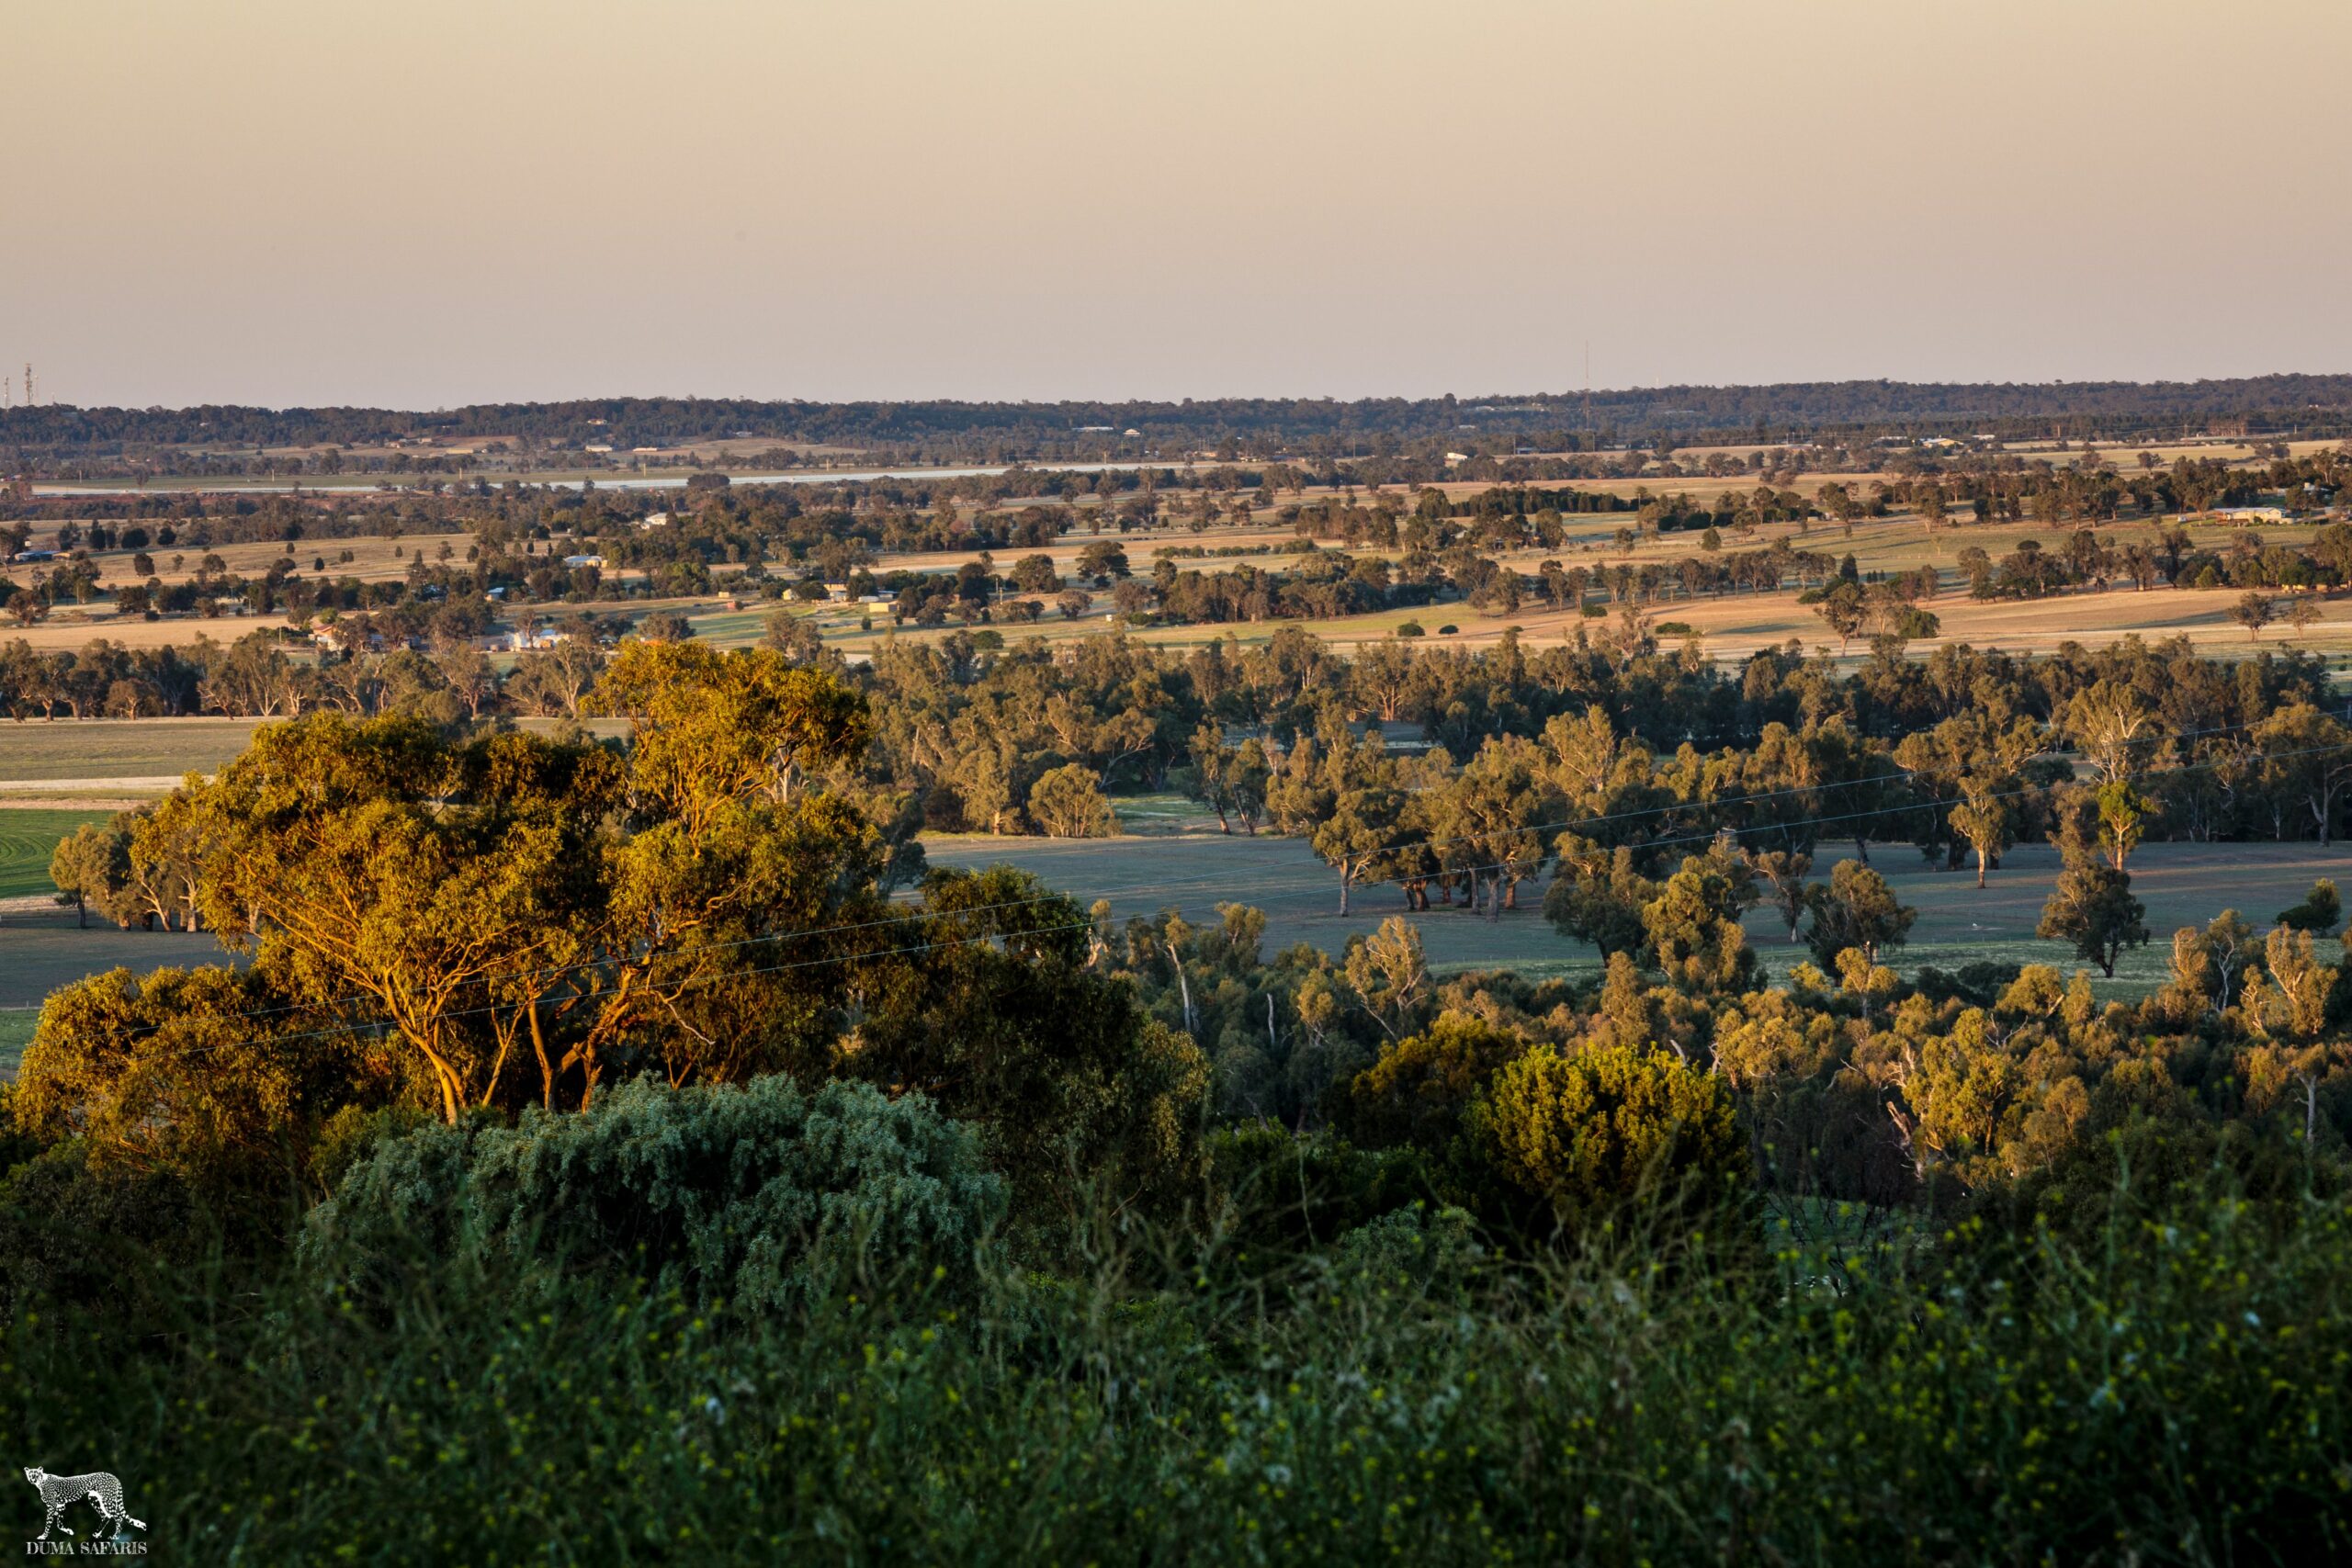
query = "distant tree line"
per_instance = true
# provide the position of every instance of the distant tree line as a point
(1012, 432)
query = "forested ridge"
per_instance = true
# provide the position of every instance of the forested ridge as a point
(2316, 405)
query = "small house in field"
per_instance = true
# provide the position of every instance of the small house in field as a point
(338, 638)
(837, 593)
(521, 641)
(2244, 516)
(577, 561)
(654, 520)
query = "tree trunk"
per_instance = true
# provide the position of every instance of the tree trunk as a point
(1861, 850)
(1982, 855)
(1344, 880)
(1184, 987)
(546, 1071)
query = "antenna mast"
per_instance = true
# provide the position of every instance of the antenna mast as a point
(28, 383)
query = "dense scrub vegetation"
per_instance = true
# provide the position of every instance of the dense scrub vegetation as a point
(2168, 1389)
(628, 1149)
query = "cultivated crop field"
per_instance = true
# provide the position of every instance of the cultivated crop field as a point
(1730, 627)
(138, 756)
(65, 752)
(27, 841)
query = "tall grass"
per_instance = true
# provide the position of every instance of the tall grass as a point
(2173, 1392)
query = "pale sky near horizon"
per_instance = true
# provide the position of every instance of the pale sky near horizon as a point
(434, 203)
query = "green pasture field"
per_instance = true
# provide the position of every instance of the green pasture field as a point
(1171, 855)
(27, 841)
(839, 623)
(2180, 884)
(1145, 816)
(15, 1034)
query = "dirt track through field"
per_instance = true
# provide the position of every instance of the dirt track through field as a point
(108, 792)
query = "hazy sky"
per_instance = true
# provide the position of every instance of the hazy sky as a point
(425, 204)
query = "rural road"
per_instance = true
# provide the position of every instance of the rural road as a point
(145, 784)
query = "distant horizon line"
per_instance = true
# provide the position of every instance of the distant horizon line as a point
(1571, 396)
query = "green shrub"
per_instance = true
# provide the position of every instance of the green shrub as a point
(1977, 985)
(1608, 1127)
(1006, 1023)
(2321, 911)
(1412, 1248)
(206, 1075)
(1067, 803)
(763, 1195)
(1420, 1091)
(1288, 1190)
(73, 1230)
